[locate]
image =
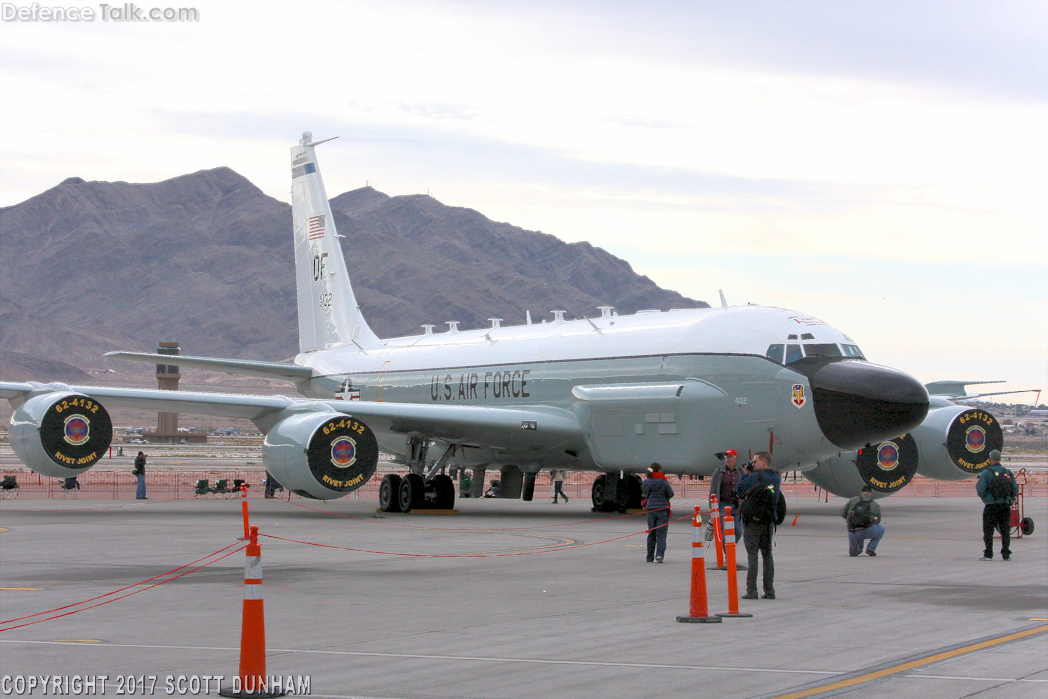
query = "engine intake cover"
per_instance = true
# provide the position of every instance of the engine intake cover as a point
(972, 436)
(321, 455)
(343, 453)
(890, 465)
(955, 442)
(61, 434)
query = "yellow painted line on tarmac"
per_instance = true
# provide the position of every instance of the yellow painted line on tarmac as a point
(34, 589)
(903, 667)
(4, 529)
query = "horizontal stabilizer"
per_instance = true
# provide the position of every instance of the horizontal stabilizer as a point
(958, 390)
(247, 367)
(952, 389)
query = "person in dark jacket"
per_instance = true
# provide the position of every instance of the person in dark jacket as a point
(723, 484)
(997, 511)
(140, 472)
(657, 493)
(859, 532)
(759, 533)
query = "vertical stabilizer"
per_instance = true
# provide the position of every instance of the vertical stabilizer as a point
(328, 315)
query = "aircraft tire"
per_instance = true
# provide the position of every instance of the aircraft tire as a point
(603, 500)
(622, 494)
(1027, 526)
(634, 492)
(412, 493)
(389, 493)
(527, 491)
(445, 491)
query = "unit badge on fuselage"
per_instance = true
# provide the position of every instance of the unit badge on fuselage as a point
(799, 399)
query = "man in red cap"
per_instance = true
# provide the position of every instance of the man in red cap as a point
(723, 485)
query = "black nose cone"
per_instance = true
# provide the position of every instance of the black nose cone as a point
(858, 403)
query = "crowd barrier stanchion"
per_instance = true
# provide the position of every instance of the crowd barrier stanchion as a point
(698, 608)
(243, 502)
(733, 573)
(718, 533)
(252, 680)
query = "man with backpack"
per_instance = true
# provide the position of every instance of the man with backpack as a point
(863, 516)
(998, 490)
(759, 493)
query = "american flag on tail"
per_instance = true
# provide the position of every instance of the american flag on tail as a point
(316, 227)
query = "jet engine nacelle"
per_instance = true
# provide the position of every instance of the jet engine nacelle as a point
(321, 455)
(885, 467)
(60, 434)
(955, 442)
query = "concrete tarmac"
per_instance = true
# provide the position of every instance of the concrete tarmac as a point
(512, 599)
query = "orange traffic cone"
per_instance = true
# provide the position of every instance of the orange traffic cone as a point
(699, 609)
(252, 680)
(733, 581)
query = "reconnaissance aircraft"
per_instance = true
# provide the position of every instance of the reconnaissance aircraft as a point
(612, 394)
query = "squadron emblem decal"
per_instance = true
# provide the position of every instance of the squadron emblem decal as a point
(975, 439)
(77, 430)
(343, 452)
(799, 399)
(887, 456)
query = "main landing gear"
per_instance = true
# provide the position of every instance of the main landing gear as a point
(612, 493)
(413, 492)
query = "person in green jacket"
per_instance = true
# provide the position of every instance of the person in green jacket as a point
(997, 489)
(863, 515)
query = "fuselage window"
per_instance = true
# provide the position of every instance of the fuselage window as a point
(793, 353)
(775, 353)
(853, 351)
(822, 350)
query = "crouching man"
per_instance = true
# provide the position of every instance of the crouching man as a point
(863, 516)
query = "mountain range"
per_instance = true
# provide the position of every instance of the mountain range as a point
(206, 259)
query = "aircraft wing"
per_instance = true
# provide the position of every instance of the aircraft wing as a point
(247, 367)
(218, 404)
(530, 429)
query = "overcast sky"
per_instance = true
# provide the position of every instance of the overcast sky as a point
(880, 165)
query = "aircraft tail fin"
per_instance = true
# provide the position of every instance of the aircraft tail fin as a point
(328, 314)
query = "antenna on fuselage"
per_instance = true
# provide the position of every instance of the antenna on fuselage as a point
(529, 316)
(724, 302)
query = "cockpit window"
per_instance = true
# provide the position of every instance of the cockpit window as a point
(822, 350)
(775, 353)
(807, 336)
(793, 353)
(853, 351)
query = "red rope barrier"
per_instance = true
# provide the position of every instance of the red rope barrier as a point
(467, 555)
(453, 529)
(92, 599)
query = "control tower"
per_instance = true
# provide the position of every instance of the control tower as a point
(167, 376)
